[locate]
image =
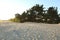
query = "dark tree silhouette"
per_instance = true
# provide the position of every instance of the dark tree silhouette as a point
(23, 17)
(38, 14)
(53, 15)
(17, 17)
(59, 18)
(35, 13)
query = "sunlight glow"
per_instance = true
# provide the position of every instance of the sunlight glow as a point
(8, 8)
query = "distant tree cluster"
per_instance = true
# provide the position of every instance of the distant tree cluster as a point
(38, 14)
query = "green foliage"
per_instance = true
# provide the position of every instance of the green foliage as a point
(35, 12)
(53, 14)
(13, 20)
(38, 14)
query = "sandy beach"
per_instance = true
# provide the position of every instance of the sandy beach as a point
(29, 31)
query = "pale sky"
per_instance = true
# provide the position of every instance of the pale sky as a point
(8, 8)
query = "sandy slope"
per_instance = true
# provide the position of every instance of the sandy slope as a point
(29, 31)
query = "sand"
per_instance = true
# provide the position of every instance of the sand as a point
(29, 31)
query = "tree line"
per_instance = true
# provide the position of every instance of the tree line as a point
(38, 14)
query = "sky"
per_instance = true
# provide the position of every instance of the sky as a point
(8, 8)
